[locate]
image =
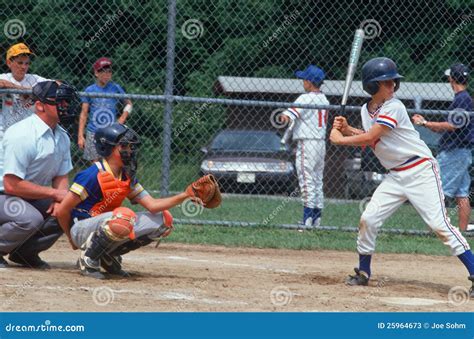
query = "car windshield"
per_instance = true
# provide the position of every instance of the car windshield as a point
(246, 141)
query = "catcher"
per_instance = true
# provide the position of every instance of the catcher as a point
(91, 214)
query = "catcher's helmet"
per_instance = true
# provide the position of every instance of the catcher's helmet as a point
(108, 137)
(379, 69)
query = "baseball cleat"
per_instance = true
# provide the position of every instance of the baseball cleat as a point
(31, 261)
(471, 290)
(113, 265)
(90, 267)
(3, 263)
(359, 279)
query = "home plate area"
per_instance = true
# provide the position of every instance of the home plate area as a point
(189, 278)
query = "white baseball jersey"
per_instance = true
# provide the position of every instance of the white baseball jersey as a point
(14, 107)
(402, 143)
(309, 123)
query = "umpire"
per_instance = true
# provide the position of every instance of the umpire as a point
(457, 139)
(35, 176)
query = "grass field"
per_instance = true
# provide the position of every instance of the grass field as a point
(271, 237)
(272, 211)
(258, 209)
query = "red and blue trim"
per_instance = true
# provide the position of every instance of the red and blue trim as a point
(387, 121)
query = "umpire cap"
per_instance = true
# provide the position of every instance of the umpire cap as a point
(379, 69)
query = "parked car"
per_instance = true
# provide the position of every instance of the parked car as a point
(250, 161)
(364, 172)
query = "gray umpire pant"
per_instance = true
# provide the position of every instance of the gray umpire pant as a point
(147, 224)
(22, 227)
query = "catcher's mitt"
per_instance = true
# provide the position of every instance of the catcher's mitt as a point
(205, 190)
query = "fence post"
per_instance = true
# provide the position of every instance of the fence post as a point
(170, 55)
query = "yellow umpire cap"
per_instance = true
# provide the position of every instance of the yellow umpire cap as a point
(18, 49)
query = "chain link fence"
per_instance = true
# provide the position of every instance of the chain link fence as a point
(209, 82)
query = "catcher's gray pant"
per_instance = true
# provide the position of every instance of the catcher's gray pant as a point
(309, 165)
(20, 220)
(146, 224)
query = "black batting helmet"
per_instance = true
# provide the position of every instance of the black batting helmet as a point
(107, 138)
(379, 69)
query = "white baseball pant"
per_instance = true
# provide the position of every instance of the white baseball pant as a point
(309, 165)
(421, 185)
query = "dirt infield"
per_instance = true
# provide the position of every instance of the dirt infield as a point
(178, 278)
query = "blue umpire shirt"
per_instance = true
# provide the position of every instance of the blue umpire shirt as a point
(34, 152)
(462, 137)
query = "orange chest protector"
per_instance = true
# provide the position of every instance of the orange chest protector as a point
(114, 191)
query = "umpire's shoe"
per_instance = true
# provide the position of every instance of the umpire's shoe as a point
(32, 261)
(113, 265)
(90, 267)
(471, 291)
(359, 279)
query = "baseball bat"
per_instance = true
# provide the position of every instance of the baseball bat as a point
(351, 68)
(286, 137)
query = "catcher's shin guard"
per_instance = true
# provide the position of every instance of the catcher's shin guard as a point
(89, 261)
(113, 265)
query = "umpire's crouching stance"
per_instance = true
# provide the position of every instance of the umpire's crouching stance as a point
(37, 162)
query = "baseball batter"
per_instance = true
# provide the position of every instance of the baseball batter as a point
(310, 133)
(91, 214)
(413, 172)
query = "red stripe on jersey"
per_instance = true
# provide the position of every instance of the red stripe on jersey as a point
(320, 118)
(388, 118)
(410, 166)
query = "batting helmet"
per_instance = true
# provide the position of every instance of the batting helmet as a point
(107, 138)
(379, 69)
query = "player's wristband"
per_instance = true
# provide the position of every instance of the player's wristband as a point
(128, 108)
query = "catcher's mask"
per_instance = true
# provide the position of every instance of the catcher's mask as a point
(119, 135)
(60, 94)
